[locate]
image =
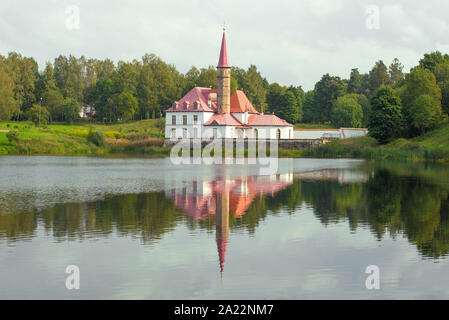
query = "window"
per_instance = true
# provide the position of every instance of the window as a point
(173, 119)
(215, 133)
(184, 133)
(278, 134)
(256, 134)
(173, 133)
(195, 119)
(195, 133)
(184, 120)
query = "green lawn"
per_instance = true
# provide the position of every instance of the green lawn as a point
(70, 139)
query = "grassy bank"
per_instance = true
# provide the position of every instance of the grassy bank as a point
(433, 146)
(138, 137)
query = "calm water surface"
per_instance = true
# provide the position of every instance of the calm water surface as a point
(144, 229)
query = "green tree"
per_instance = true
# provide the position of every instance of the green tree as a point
(441, 72)
(8, 105)
(287, 109)
(386, 119)
(274, 94)
(395, 72)
(347, 112)
(327, 90)
(71, 109)
(431, 60)
(308, 107)
(378, 76)
(53, 100)
(417, 83)
(425, 113)
(124, 104)
(355, 82)
(38, 115)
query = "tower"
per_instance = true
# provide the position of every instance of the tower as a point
(223, 79)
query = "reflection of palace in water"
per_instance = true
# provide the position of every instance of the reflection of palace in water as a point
(201, 199)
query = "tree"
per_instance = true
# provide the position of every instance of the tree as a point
(395, 72)
(386, 119)
(327, 90)
(124, 105)
(378, 76)
(53, 100)
(355, 82)
(287, 109)
(8, 105)
(347, 112)
(274, 94)
(38, 115)
(299, 95)
(308, 107)
(425, 113)
(417, 83)
(441, 72)
(146, 96)
(431, 60)
(71, 109)
(252, 83)
(23, 72)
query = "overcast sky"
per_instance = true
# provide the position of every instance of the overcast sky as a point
(291, 42)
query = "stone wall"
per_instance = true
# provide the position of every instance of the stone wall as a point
(282, 144)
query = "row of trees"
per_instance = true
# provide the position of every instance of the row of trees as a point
(140, 89)
(144, 88)
(388, 101)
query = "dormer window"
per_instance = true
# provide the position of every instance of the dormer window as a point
(186, 105)
(196, 105)
(175, 105)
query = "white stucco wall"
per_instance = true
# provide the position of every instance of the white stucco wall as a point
(353, 133)
(202, 118)
(264, 132)
(314, 134)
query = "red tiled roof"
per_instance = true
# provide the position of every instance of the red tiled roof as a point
(240, 103)
(197, 96)
(223, 119)
(223, 60)
(267, 120)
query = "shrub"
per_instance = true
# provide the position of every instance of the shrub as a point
(96, 137)
(13, 137)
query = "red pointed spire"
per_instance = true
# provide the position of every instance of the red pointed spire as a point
(223, 61)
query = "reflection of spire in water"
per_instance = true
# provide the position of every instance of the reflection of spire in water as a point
(222, 226)
(204, 198)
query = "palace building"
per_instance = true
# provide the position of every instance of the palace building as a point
(205, 113)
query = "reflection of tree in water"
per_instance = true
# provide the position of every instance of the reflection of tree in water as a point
(388, 202)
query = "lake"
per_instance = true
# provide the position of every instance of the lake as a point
(145, 229)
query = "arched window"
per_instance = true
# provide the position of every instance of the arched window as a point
(278, 134)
